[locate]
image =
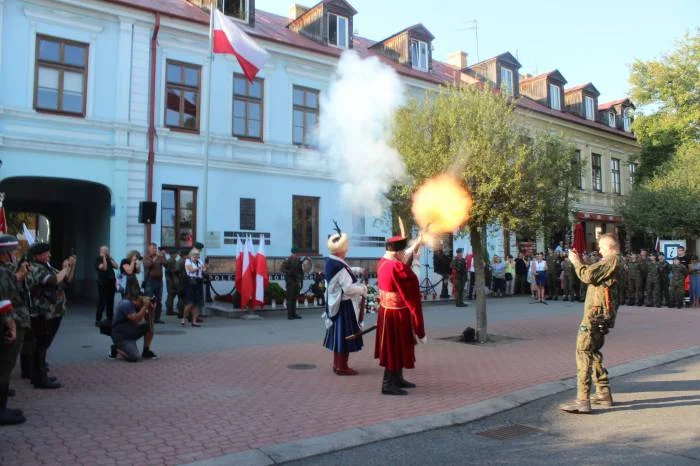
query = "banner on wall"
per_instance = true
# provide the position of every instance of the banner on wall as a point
(669, 247)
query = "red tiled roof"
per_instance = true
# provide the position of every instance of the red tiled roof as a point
(607, 105)
(272, 27)
(174, 8)
(529, 104)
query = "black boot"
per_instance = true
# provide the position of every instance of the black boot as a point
(40, 379)
(403, 383)
(25, 363)
(8, 416)
(390, 385)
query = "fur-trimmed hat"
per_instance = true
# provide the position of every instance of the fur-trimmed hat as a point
(8, 243)
(338, 241)
(38, 248)
(396, 243)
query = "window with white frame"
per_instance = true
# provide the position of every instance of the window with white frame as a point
(555, 96)
(633, 173)
(338, 31)
(611, 119)
(626, 120)
(419, 55)
(507, 80)
(616, 180)
(237, 9)
(589, 108)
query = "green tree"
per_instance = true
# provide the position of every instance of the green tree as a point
(516, 179)
(666, 91)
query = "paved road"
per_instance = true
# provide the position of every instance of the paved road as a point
(656, 420)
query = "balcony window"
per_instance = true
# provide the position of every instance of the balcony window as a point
(507, 80)
(555, 96)
(611, 119)
(338, 31)
(419, 55)
(590, 115)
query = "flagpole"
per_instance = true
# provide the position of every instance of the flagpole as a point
(207, 130)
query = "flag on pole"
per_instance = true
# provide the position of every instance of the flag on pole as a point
(230, 39)
(262, 278)
(247, 279)
(239, 264)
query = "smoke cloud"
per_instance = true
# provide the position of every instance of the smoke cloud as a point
(354, 130)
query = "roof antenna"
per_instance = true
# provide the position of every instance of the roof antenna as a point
(474, 28)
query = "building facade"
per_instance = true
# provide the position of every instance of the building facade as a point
(104, 106)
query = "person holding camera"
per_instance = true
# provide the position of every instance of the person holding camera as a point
(106, 285)
(130, 268)
(599, 312)
(194, 288)
(133, 321)
(153, 265)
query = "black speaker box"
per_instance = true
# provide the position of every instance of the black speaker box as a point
(147, 212)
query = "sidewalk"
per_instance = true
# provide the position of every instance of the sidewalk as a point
(189, 407)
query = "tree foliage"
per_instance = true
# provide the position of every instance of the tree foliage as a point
(517, 178)
(666, 199)
(666, 89)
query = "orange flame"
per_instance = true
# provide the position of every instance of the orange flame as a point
(441, 205)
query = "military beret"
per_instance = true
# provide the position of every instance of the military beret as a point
(8, 243)
(39, 248)
(198, 245)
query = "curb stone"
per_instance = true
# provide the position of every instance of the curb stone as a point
(314, 446)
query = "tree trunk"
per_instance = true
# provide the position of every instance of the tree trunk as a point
(479, 283)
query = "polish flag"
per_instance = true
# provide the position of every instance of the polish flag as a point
(239, 264)
(3, 221)
(228, 38)
(5, 306)
(247, 279)
(262, 278)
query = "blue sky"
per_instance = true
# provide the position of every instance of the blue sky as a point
(591, 41)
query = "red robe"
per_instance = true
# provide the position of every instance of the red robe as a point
(400, 317)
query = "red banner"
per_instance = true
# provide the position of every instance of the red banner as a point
(3, 222)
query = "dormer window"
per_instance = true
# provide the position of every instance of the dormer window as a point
(419, 55)
(611, 119)
(507, 80)
(237, 9)
(589, 108)
(626, 120)
(555, 96)
(338, 31)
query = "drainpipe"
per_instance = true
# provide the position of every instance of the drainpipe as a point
(152, 120)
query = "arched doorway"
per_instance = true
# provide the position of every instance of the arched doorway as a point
(79, 217)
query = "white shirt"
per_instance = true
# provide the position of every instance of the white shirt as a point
(540, 266)
(197, 265)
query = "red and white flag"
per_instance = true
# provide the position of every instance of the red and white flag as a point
(262, 278)
(230, 39)
(239, 264)
(3, 221)
(247, 278)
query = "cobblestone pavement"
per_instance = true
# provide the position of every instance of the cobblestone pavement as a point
(198, 403)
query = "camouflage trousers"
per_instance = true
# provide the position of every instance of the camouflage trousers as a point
(571, 286)
(664, 292)
(8, 356)
(635, 292)
(677, 295)
(653, 295)
(589, 362)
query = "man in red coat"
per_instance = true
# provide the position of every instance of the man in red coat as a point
(400, 317)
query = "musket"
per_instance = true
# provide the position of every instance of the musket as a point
(360, 333)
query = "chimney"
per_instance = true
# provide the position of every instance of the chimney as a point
(296, 10)
(457, 59)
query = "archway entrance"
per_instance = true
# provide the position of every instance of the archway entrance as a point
(78, 213)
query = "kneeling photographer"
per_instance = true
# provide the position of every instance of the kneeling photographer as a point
(133, 320)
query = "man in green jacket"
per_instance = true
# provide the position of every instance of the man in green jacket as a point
(599, 311)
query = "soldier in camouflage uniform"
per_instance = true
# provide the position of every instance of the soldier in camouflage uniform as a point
(622, 280)
(664, 271)
(552, 275)
(653, 292)
(293, 281)
(644, 261)
(14, 321)
(634, 272)
(678, 274)
(571, 281)
(599, 312)
(48, 295)
(459, 268)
